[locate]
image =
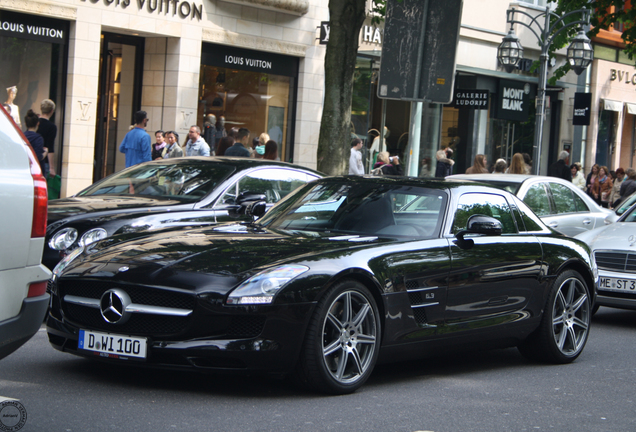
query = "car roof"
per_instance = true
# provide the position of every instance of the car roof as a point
(508, 178)
(425, 182)
(240, 163)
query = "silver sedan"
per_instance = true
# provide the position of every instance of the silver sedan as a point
(559, 203)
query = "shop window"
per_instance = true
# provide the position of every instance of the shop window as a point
(257, 101)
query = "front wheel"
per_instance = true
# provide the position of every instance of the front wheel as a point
(342, 341)
(565, 324)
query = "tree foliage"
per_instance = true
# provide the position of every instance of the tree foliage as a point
(605, 15)
(345, 20)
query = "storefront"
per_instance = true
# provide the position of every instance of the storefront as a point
(251, 89)
(613, 115)
(254, 64)
(33, 53)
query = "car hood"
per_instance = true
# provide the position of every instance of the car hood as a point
(103, 205)
(614, 236)
(195, 258)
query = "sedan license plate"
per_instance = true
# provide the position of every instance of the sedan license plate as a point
(113, 345)
(614, 284)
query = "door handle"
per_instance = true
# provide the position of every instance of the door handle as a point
(587, 221)
(553, 224)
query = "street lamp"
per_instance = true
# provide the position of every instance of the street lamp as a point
(579, 54)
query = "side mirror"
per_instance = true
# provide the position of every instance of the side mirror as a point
(249, 203)
(481, 224)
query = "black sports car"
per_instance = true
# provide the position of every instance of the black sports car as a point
(339, 274)
(169, 192)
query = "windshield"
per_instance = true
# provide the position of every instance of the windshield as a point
(361, 209)
(184, 181)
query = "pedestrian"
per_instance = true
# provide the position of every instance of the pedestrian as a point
(48, 130)
(224, 143)
(628, 186)
(500, 166)
(196, 145)
(209, 131)
(389, 165)
(173, 149)
(577, 177)
(592, 178)
(31, 121)
(561, 167)
(517, 165)
(615, 195)
(233, 133)
(136, 144)
(444, 162)
(528, 162)
(355, 158)
(271, 150)
(159, 147)
(259, 149)
(240, 147)
(602, 188)
(425, 167)
(479, 165)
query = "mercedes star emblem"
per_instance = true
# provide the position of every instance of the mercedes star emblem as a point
(113, 306)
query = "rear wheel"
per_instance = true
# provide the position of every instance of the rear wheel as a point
(343, 340)
(565, 324)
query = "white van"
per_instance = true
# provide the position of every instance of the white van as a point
(23, 279)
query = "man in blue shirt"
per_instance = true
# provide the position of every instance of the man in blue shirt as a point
(136, 144)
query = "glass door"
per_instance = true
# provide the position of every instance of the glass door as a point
(119, 98)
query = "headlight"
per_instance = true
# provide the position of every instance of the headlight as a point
(261, 288)
(93, 235)
(63, 239)
(64, 262)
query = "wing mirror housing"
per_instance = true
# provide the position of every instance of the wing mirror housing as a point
(481, 224)
(249, 203)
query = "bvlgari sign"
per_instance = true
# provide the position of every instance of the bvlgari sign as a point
(183, 9)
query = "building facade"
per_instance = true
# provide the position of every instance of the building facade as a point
(251, 63)
(493, 111)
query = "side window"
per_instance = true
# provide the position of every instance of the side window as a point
(537, 200)
(581, 206)
(484, 204)
(563, 198)
(274, 183)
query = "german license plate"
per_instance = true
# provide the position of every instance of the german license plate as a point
(112, 345)
(614, 284)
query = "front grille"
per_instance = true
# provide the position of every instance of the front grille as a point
(219, 326)
(138, 294)
(616, 261)
(141, 324)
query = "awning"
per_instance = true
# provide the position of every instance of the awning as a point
(631, 108)
(611, 105)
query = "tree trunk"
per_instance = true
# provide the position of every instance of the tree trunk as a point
(345, 18)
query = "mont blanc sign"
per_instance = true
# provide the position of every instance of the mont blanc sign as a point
(513, 100)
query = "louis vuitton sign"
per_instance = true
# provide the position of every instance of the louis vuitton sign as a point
(183, 9)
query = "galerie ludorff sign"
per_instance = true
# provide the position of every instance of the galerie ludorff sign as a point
(476, 99)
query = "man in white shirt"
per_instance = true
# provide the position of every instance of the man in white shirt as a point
(355, 161)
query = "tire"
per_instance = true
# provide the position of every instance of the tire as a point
(565, 323)
(342, 342)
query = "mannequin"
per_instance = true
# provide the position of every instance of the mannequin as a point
(15, 111)
(220, 129)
